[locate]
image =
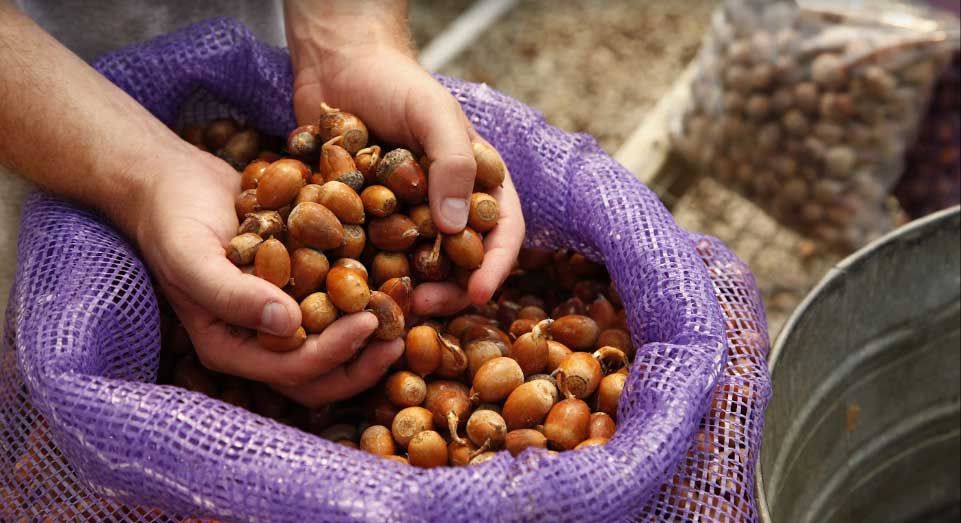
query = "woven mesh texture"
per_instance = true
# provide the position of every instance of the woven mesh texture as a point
(81, 421)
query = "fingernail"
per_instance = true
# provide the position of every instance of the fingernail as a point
(454, 212)
(274, 320)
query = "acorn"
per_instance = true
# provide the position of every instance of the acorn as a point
(282, 343)
(219, 132)
(241, 149)
(423, 350)
(252, 173)
(405, 389)
(529, 404)
(401, 290)
(378, 440)
(388, 265)
(279, 185)
(465, 249)
(429, 263)
(336, 123)
(448, 402)
(491, 170)
(483, 213)
(394, 233)
(355, 240)
(315, 226)
(427, 449)
(517, 441)
(347, 289)
(242, 248)
(580, 374)
(308, 272)
(379, 201)
(390, 319)
(262, 223)
(272, 263)
(366, 161)
(342, 201)
(420, 215)
(496, 379)
(303, 142)
(409, 422)
(318, 312)
(246, 203)
(530, 350)
(336, 164)
(399, 172)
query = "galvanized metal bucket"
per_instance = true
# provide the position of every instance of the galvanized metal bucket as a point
(865, 422)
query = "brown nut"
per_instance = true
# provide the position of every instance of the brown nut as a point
(272, 263)
(491, 170)
(531, 350)
(400, 172)
(304, 142)
(366, 161)
(390, 319)
(453, 361)
(315, 226)
(479, 352)
(423, 350)
(617, 338)
(379, 201)
(347, 289)
(308, 193)
(519, 440)
(429, 263)
(465, 249)
(355, 240)
(421, 217)
(246, 203)
(242, 248)
(219, 132)
(387, 265)
(410, 422)
(486, 428)
(342, 201)
(484, 212)
(262, 223)
(609, 393)
(336, 164)
(427, 449)
(576, 331)
(308, 271)
(354, 265)
(496, 379)
(279, 185)
(601, 426)
(282, 343)
(393, 233)
(317, 312)
(401, 290)
(334, 122)
(529, 404)
(405, 389)
(556, 353)
(520, 327)
(241, 149)
(460, 452)
(378, 440)
(567, 424)
(449, 404)
(579, 375)
(252, 173)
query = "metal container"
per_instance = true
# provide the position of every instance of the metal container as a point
(865, 422)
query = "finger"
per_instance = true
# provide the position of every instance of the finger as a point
(203, 273)
(350, 379)
(225, 349)
(439, 299)
(501, 246)
(436, 122)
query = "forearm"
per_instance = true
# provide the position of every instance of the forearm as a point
(70, 130)
(319, 32)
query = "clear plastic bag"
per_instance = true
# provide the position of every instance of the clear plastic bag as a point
(932, 173)
(809, 113)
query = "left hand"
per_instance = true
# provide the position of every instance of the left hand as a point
(381, 82)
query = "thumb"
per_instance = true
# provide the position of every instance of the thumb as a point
(236, 298)
(438, 125)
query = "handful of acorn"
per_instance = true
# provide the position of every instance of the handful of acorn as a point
(504, 376)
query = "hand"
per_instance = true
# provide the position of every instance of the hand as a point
(399, 101)
(186, 220)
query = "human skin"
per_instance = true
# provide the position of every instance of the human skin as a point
(74, 133)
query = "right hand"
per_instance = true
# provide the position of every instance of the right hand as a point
(186, 219)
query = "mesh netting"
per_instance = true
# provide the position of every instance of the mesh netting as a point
(81, 421)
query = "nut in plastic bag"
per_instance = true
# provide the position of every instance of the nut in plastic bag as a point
(809, 113)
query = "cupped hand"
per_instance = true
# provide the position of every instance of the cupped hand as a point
(185, 222)
(402, 103)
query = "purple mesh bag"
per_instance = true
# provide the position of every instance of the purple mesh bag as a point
(87, 436)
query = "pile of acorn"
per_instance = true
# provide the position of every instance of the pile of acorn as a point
(541, 365)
